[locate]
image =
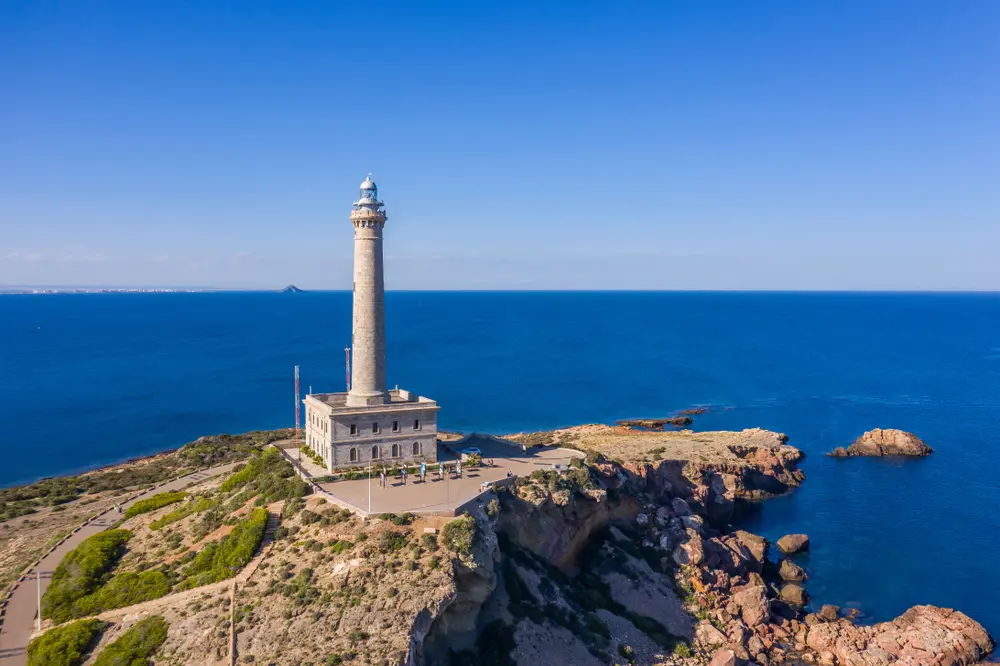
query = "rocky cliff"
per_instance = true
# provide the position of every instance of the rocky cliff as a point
(631, 560)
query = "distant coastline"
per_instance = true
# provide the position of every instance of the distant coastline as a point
(8, 290)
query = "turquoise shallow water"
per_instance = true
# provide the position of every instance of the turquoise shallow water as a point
(91, 379)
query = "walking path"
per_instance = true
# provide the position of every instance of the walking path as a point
(19, 620)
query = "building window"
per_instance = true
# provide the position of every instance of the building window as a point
(416, 424)
(354, 454)
(374, 428)
(395, 450)
(416, 448)
(395, 426)
(354, 428)
(375, 455)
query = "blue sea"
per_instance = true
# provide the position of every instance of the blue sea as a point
(93, 379)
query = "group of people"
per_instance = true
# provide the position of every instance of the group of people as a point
(403, 473)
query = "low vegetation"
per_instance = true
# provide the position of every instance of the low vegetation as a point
(204, 452)
(137, 645)
(459, 535)
(221, 560)
(269, 476)
(312, 455)
(65, 645)
(123, 589)
(153, 503)
(81, 572)
(192, 506)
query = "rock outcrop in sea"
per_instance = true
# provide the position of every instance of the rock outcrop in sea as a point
(884, 442)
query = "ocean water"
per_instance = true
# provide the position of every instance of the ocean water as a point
(91, 379)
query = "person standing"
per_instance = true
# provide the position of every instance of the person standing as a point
(381, 478)
(404, 475)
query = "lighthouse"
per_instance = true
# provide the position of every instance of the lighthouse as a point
(368, 330)
(370, 423)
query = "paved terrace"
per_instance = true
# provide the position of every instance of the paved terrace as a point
(437, 496)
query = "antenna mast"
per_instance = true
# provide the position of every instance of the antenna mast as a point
(347, 358)
(296, 404)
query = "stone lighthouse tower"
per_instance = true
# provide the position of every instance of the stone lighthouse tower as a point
(370, 423)
(368, 332)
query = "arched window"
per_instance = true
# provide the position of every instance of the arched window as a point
(375, 455)
(395, 450)
(416, 448)
(354, 454)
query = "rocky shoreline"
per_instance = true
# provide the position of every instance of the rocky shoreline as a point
(668, 500)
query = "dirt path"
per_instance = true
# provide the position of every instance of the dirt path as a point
(19, 621)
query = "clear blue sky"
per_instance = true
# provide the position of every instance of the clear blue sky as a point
(585, 145)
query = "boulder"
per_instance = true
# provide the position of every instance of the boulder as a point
(753, 605)
(680, 507)
(793, 543)
(691, 551)
(884, 442)
(707, 635)
(791, 572)
(794, 594)
(829, 612)
(724, 657)
(757, 545)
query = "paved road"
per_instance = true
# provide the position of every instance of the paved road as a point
(444, 495)
(19, 621)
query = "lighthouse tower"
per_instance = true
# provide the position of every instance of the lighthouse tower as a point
(370, 423)
(368, 333)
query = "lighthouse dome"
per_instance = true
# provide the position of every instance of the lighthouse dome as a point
(368, 183)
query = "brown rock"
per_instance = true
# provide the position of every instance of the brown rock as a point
(757, 545)
(794, 594)
(724, 658)
(921, 635)
(791, 572)
(755, 609)
(888, 442)
(707, 635)
(829, 612)
(793, 543)
(691, 551)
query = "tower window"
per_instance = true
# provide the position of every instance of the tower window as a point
(395, 426)
(416, 448)
(395, 450)
(354, 454)
(374, 428)
(375, 455)
(416, 424)
(354, 428)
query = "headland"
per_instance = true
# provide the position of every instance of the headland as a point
(621, 552)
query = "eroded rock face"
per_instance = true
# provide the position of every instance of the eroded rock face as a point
(884, 442)
(793, 543)
(921, 635)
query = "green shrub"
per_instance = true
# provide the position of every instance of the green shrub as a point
(221, 560)
(137, 645)
(65, 645)
(194, 506)
(459, 535)
(81, 571)
(268, 475)
(122, 590)
(153, 503)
